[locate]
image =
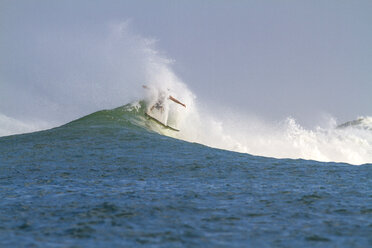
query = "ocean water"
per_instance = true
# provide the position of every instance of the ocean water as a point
(116, 179)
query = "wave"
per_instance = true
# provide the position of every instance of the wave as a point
(286, 139)
(109, 71)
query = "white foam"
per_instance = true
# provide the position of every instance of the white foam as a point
(283, 139)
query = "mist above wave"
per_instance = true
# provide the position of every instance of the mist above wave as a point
(61, 75)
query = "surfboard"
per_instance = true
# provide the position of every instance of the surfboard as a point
(153, 118)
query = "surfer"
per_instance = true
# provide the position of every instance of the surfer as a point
(160, 111)
(159, 105)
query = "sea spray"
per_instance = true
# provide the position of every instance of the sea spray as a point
(62, 75)
(73, 75)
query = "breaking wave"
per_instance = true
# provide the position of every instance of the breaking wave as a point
(286, 139)
(70, 79)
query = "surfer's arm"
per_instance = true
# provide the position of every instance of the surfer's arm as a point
(176, 101)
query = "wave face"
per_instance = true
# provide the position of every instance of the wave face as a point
(111, 70)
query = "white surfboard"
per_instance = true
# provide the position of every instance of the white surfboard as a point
(152, 117)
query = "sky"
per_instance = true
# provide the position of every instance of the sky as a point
(273, 59)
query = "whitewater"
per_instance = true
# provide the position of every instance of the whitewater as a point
(109, 73)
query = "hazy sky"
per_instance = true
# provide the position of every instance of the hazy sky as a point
(270, 58)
